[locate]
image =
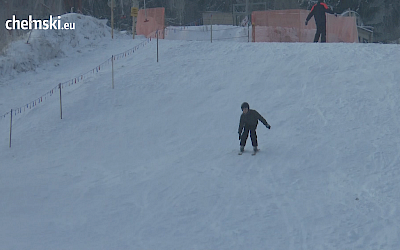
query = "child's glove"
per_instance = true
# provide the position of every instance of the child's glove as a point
(306, 22)
(268, 126)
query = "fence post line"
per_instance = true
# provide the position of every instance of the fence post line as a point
(112, 70)
(11, 127)
(59, 86)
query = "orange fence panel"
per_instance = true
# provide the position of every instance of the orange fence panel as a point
(289, 26)
(149, 21)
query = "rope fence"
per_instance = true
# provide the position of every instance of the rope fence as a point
(205, 30)
(76, 80)
(207, 33)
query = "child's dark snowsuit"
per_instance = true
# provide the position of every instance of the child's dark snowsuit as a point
(318, 11)
(248, 123)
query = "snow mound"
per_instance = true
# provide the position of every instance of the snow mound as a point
(44, 45)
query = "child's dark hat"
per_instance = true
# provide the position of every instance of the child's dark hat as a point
(245, 105)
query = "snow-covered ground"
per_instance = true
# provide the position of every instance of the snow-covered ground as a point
(208, 33)
(153, 164)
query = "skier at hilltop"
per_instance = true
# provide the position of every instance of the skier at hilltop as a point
(318, 11)
(248, 123)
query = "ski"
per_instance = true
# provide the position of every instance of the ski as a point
(255, 152)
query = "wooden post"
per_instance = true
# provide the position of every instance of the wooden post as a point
(133, 21)
(145, 11)
(59, 86)
(133, 27)
(134, 14)
(11, 127)
(253, 32)
(157, 45)
(112, 70)
(248, 31)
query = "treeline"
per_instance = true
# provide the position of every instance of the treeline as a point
(383, 15)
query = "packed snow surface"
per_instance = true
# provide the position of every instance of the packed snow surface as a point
(154, 164)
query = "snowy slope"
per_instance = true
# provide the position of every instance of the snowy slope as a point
(153, 163)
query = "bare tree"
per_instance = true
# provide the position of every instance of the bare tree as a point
(177, 10)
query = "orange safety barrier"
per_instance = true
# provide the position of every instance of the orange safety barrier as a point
(149, 21)
(289, 26)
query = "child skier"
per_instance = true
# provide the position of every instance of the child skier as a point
(248, 123)
(318, 11)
